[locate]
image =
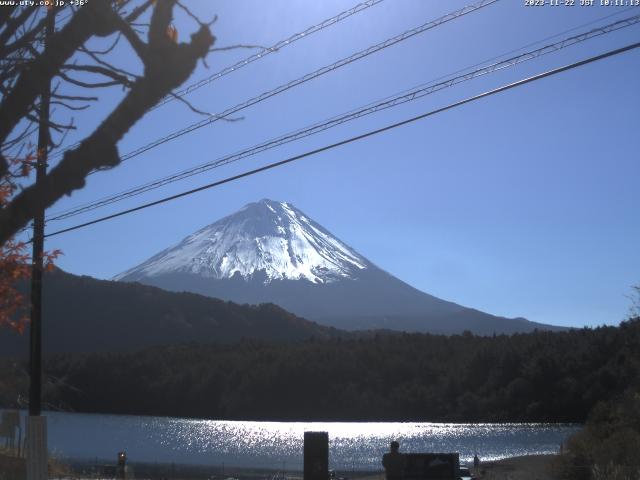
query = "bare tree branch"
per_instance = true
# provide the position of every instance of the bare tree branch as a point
(106, 51)
(167, 65)
(74, 97)
(106, 64)
(13, 24)
(70, 107)
(53, 125)
(82, 84)
(117, 77)
(190, 105)
(26, 39)
(93, 18)
(194, 17)
(236, 47)
(133, 16)
(5, 14)
(132, 37)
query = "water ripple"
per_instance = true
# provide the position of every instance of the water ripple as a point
(279, 444)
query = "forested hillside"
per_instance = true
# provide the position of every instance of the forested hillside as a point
(541, 376)
(84, 314)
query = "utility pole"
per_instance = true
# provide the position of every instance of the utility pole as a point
(36, 424)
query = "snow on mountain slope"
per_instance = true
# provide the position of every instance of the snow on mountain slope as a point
(271, 237)
(271, 252)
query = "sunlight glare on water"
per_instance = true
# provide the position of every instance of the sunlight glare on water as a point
(352, 446)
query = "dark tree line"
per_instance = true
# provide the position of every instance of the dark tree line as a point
(607, 447)
(541, 376)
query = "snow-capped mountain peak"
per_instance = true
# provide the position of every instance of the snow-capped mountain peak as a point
(268, 238)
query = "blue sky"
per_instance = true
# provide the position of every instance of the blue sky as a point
(522, 204)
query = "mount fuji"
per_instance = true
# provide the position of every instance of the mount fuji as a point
(271, 252)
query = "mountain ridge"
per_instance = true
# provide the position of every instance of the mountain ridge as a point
(271, 251)
(84, 314)
(273, 237)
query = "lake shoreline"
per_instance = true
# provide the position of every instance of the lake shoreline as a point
(156, 470)
(153, 442)
(527, 467)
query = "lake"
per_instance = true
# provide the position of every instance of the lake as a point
(278, 445)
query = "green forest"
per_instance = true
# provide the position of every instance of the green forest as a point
(534, 377)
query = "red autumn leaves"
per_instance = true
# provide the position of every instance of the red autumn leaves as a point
(15, 262)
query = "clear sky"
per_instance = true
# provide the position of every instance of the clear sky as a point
(522, 204)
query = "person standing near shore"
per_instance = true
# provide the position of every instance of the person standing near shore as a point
(394, 462)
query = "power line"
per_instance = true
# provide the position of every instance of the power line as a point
(329, 68)
(356, 138)
(256, 56)
(268, 50)
(310, 76)
(388, 102)
(252, 58)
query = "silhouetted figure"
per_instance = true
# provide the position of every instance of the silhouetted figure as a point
(394, 462)
(476, 461)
